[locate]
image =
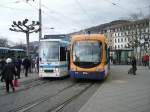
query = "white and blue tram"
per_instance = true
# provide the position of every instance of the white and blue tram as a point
(53, 56)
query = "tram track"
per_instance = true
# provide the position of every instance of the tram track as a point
(58, 107)
(38, 101)
(27, 85)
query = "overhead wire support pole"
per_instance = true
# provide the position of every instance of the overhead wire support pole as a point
(40, 20)
(149, 36)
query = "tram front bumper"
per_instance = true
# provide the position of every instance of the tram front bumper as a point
(88, 75)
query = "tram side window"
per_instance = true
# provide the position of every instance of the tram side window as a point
(62, 54)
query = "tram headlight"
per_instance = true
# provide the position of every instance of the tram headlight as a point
(41, 69)
(99, 69)
(56, 69)
(72, 69)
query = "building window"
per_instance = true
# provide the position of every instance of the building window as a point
(121, 39)
(118, 40)
(115, 40)
(116, 34)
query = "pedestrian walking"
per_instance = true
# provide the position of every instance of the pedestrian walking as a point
(26, 63)
(18, 63)
(37, 64)
(146, 59)
(111, 59)
(9, 74)
(134, 67)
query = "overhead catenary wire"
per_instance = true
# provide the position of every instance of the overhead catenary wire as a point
(124, 9)
(58, 13)
(84, 11)
(67, 17)
(50, 10)
(14, 2)
(119, 6)
(17, 9)
(47, 14)
(11, 2)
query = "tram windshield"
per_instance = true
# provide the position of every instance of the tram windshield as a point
(49, 51)
(87, 53)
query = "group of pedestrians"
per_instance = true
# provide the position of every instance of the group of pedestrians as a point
(10, 69)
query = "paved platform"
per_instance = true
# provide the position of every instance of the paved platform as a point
(122, 92)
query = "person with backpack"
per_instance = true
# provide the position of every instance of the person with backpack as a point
(26, 63)
(18, 63)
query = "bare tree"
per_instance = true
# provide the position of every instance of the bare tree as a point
(26, 28)
(136, 16)
(134, 41)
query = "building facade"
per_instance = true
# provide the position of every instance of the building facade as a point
(123, 35)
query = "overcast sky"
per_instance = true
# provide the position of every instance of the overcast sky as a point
(65, 16)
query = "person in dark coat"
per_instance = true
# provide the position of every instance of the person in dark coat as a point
(8, 74)
(37, 64)
(18, 63)
(26, 63)
(133, 62)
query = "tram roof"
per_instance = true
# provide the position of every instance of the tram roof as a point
(50, 40)
(59, 36)
(17, 49)
(4, 48)
(88, 36)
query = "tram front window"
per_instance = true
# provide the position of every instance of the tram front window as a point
(87, 54)
(49, 51)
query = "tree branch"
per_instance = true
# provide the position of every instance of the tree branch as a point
(37, 30)
(20, 28)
